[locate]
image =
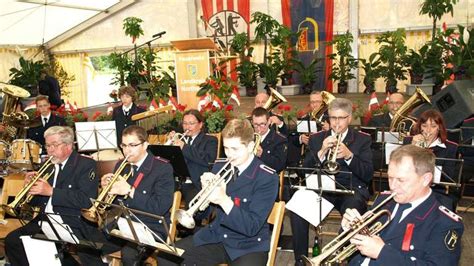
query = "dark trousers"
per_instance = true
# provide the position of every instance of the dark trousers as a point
(211, 254)
(16, 254)
(300, 227)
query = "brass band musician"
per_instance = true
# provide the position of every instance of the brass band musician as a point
(421, 231)
(395, 100)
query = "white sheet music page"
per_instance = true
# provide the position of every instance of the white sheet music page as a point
(143, 233)
(305, 203)
(302, 126)
(437, 174)
(389, 147)
(327, 181)
(390, 137)
(63, 230)
(40, 252)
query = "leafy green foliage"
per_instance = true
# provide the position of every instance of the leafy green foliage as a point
(132, 27)
(371, 69)
(308, 74)
(29, 73)
(344, 62)
(435, 9)
(392, 52)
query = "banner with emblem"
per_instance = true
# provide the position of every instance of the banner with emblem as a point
(314, 18)
(222, 20)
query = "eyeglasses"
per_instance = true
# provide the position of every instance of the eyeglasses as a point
(189, 123)
(53, 146)
(259, 125)
(131, 145)
(398, 103)
(338, 118)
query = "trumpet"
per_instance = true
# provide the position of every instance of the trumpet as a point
(201, 201)
(331, 166)
(23, 197)
(97, 211)
(425, 142)
(177, 136)
(258, 140)
(338, 250)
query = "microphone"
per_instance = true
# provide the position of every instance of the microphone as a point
(159, 34)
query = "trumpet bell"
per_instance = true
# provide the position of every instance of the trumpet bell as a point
(185, 219)
(331, 167)
(89, 215)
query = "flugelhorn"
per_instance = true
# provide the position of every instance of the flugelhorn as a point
(340, 249)
(425, 142)
(97, 211)
(331, 166)
(257, 140)
(23, 197)
(177, 136)
(201, 201)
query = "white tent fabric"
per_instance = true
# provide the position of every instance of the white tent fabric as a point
(35, 22)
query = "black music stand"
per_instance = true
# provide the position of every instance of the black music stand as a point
(134, 230)
(174, 155)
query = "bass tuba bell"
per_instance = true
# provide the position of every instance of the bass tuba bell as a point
(275, 99)
(401, 119)
(317, 114)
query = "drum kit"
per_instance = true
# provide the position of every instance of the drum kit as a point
(21, 153)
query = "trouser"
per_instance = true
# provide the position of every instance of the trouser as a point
(300, 227)
(16, 254)
(210, 254)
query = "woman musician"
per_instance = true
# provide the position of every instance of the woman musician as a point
(430, 132)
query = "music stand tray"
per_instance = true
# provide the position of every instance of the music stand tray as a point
(174, 155)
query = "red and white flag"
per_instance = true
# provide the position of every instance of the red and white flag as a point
(235, 95)
(110, 109)
(387, 98)
(203, 101)
(217, 102)
(373, 102)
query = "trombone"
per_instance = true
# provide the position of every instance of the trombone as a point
(201, 201)
(338, 250)
(23, 197)
(97, 211)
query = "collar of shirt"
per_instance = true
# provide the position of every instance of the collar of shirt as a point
(344, 134)
(264, 136)
(414, 204)
(139, 163)
(126, 109)
(391, 116)
(47, 117)
(437, 142)
(245, 165)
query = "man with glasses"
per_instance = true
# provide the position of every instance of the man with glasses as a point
(68, 190)
(149, 189)
(395, 101)
(47, 118)
(199, 151)
(273, 145)
(276, 121)
(353, 155)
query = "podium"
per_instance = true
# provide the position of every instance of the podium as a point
(193, 67)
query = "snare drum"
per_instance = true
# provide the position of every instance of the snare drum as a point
(24, 153)
(3, 151)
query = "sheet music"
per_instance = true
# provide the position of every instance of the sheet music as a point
(389, 147)
(40, 252)
(63, 230)
(437, 174)
(302, 126)
(305, 203)
(144, 235)
(328, 182)
(106, 136)
(390, 137)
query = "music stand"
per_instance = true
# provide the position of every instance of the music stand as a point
(96, 136)
(134, 230)
(174, 155)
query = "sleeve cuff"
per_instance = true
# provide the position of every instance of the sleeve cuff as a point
(227, 206)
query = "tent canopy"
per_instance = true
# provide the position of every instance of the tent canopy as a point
(36, 22)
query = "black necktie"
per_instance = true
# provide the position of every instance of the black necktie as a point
(126, 113)
(45, 121)
(236, 173)
(394, 223)
(135, 169)
(189, 140)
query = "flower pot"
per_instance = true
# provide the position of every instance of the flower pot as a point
(286, 79)
(251, 92)
(391, 88)
(342, 87)
(369, 88)
(416, 78)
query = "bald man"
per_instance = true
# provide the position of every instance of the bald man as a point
(275, 120)
(395, 101)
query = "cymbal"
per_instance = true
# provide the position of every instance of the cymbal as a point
(14, 90)
(25, 123)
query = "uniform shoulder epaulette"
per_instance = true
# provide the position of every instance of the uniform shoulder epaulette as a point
(364, 133)
(452, 142)
(162, 159)
(267, 169)
(450, 213)
(221, 160)
(280, 135)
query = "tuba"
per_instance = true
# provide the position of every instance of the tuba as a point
(23, 198)
(11, 98)
(340, 249)
(331, 166)
(201, 201)
(317, 114)
(401, 118)
(97, 211)
(275, 99)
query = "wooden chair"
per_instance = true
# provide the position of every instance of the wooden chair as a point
(116, 256)
(282, 183)
(276, 219)
(219, 142)
(12, 185)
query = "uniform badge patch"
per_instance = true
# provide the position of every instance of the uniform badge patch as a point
(451, 239)
(91, 175)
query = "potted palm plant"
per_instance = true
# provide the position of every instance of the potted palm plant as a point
(392, 50)
(28, 75)
(414, 61)
(436, 9)
(132, 27)
(343, 61)
(246, 69)
(371, 70)
(308, 74)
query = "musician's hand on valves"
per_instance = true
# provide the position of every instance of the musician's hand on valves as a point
(259, 151)
(275, 120)
(344, 152)
(417, 139)
(218, 195)
(121, 187)
(41, 187)
(350, 217)
(105, 179)
(369, 246)
(28, 177)
(179, 143)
